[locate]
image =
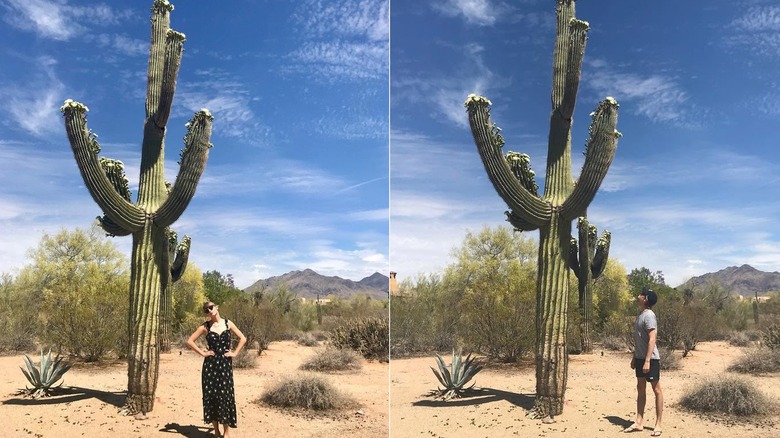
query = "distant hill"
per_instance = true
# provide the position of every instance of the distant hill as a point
(307, 284)
(740, 280)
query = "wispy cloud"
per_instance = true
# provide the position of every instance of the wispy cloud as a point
(121, 44)
(477, 12)
(57, 19)
(345, 40)
(446, 91)
(229, 100)
(34, 105)
(757, 30)
(660, 98)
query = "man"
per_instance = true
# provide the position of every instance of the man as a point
(646, 362)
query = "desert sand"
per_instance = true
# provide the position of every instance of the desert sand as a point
(600, 400)
(92, 395)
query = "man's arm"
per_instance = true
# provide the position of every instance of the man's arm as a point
(650, 349)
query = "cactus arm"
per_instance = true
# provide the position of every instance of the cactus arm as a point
(161, 24)
(601, 255)
(193, 162)
(85, 149)
(574, 260)
(174, 46)
(530, 208)
(518, 223)
(179, 264)
(564, 13)
(600, 150)
(111, 228)
(578, 33)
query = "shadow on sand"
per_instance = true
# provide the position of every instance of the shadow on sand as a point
(189, 430)
(71, 394)
(480, 396)
(618, 421)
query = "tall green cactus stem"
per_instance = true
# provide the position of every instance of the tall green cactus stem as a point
(561, 202)
(179, 252)
(755, 310)
(156, 207)
(588, 263)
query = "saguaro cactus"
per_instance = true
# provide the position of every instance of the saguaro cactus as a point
(562, 201)
(157, 206)
(588, 262)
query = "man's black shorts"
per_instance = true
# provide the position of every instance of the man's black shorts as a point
(655, 369)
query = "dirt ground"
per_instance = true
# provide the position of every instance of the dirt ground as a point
(92, 396)
(600, 400)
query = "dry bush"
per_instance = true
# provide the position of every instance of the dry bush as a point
(307, 339)
(757, 361)
(244, 359)
(669, 360)
(307, 391)
(614, 343)
(738, 339)
(332, 359)
(726, 395)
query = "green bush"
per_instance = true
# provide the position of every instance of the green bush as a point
(771, 337)
(367, 336)
(757, 361)
(332, 359)
(726, 395)
(614, 343)
(307, 391)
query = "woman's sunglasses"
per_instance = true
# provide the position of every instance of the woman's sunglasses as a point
(209, 309)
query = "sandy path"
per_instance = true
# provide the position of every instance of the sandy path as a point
(600, 400)
(89, 407)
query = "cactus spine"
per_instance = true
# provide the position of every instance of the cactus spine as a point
(562, 201)
(588, 263)
(157, 206)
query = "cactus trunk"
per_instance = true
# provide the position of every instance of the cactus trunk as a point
(551, 321)
(158, 206)
(562, 201)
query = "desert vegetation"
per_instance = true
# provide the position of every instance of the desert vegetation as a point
(307, 391)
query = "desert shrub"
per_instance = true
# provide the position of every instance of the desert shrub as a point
(244, 359)
(367, 336)
(757, 361)
(669, 360)
(307, 339)
(738, 339)
(771, 337)
(613, 343)
(617, 331)
(308, 392)
(19, 314)
(333, 359)
(699, 323)
(754, 335)
(726, 395)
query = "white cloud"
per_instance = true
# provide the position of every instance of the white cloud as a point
(660, 98)
(342, 40)
(58, 20)
(34, 107)
(228, 100)
(477, 12)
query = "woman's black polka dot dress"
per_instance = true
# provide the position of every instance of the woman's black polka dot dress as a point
(219, 400)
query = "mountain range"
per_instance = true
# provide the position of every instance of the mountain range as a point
(307, 284)
(742, 280)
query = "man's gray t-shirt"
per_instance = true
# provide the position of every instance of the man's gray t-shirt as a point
(644, 323)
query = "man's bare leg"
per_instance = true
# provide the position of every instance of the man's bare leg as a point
(641, 400)
(659, 407)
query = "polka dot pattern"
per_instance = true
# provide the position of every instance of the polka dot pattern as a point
(219, 400)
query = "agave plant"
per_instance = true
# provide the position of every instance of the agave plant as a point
(43, 378)
(456, 378)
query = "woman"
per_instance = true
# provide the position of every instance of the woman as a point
(219, 401)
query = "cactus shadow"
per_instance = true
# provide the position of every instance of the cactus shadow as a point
(481, 396)
(188, 430)
(70, 394)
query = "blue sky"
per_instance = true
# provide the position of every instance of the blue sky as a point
(693, 186)
(298, 176)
